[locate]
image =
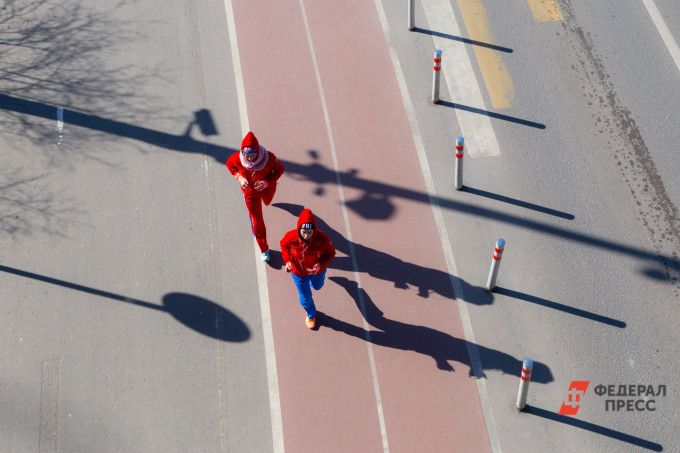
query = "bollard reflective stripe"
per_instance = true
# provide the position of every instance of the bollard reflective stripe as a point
(525, 378)
(495, 264)
(435, 77)
(460, 145)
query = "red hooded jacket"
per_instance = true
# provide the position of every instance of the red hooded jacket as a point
(305, 254)
(271, 172)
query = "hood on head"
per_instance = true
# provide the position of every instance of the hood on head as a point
(306, 217)
(250, 141)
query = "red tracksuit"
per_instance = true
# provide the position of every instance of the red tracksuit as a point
(270, 173)
(305, 254)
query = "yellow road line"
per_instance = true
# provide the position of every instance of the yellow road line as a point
(496, 76)
(545, 10)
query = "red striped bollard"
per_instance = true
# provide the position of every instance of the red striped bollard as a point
(495, 264)
(460, 144)
(524, 380)
(435, 77)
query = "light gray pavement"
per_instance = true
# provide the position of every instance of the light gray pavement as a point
(104, 225)
(130, 318)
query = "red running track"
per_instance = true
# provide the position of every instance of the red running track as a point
(327, 392)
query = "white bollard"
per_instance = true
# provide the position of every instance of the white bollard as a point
(411, 14)
(460, 144)
(495, 264)
(524, 383)
(435, 76)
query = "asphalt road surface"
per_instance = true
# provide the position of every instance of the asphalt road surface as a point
(135, 315)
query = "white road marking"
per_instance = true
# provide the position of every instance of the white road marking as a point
(355, 267)
(665, 33)
(60, 125)
(49, 406)
(476, 128)
(475, 361)
(268, 334)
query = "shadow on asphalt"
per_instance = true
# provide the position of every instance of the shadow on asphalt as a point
(442, 347)
(463, 40)
(376, 200)
(518, 203)
(383, 266)
(379, 205)
(498, 116)
(561, 307)
(618, 435)
(199, 314)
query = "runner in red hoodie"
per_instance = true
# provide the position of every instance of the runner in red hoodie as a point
(257, 170)
(307, 252)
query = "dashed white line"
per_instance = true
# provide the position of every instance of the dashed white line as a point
(665, 33)
(475, 361)
(331, 141)
(268, 334)
(49, 406)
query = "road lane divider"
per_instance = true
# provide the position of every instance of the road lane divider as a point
(348, 229)
(663, 30)
(545, 10)
(496, 76)
(267, 329)
(461, 81)
(473, 351)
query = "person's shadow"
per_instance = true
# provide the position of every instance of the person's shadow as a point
(383, 266)
(442, 347)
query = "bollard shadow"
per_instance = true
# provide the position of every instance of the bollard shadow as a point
(442, 347)
(498, 116)
(201, 315)
(618, 435)
(561, 307)
(384, 266)
(519, 203)
(461, 39)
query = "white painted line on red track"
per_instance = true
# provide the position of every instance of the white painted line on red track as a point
(665, 33)
(350, 240)
(475, 361)
(267, 332)
(460, 79)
